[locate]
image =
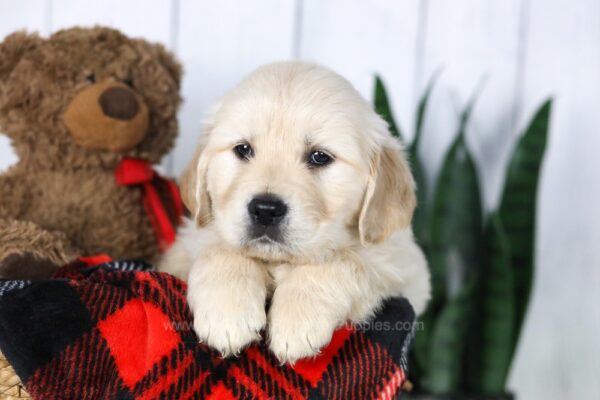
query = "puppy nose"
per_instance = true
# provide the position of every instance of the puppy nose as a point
(119, 103)
(267, 210)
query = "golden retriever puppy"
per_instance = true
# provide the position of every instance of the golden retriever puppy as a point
(299, 194)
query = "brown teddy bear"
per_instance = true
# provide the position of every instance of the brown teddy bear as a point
(87, 111)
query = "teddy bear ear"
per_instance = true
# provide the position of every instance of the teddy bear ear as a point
(12, 50)
(168, 60)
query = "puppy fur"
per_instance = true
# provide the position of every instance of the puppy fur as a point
(346, 242)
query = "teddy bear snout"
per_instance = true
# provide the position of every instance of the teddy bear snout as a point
(119, 103)
(107, 115)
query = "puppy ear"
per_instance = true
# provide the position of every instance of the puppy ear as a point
(192, 185)
(192, 182)
(389, 200)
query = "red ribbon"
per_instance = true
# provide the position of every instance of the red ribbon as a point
(133, 171)
(95, 260)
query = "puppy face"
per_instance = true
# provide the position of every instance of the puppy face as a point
(295, 164)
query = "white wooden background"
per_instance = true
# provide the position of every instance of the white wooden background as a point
(527, 49)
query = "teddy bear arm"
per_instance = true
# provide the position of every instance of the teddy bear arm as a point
(28, 251)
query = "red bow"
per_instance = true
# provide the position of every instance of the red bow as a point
(133, 171)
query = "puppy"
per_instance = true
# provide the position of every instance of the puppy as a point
(298, 194)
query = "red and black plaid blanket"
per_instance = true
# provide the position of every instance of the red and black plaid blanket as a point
(120, 331)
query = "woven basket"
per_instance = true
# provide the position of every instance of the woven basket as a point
(11, 387)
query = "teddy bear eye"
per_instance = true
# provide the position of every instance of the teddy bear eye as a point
(128, 82)
(91, 78)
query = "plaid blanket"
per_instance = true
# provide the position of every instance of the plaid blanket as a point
(121, 331)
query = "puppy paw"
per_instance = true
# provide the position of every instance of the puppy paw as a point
(298, 331)
(227, 323)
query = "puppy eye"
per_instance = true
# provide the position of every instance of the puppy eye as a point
(319, 158)
(91, 78)
(243, 151)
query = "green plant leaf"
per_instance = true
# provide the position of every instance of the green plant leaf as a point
(447, 344)
(383, 108)
(420, 352)
(518, 207)
(491, 339)
(421, 219)
(420, 349)
(421, 109)
(454, 259)
(456, 219)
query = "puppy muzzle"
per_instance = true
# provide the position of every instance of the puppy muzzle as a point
(267, 213)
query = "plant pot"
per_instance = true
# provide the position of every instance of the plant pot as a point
(420, 396)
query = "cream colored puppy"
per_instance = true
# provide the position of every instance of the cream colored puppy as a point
(299, 194)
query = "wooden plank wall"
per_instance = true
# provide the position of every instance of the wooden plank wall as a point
(524, 50)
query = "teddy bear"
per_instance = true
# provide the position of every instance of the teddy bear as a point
(88, 111)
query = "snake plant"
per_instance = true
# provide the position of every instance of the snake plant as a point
(481, 264)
